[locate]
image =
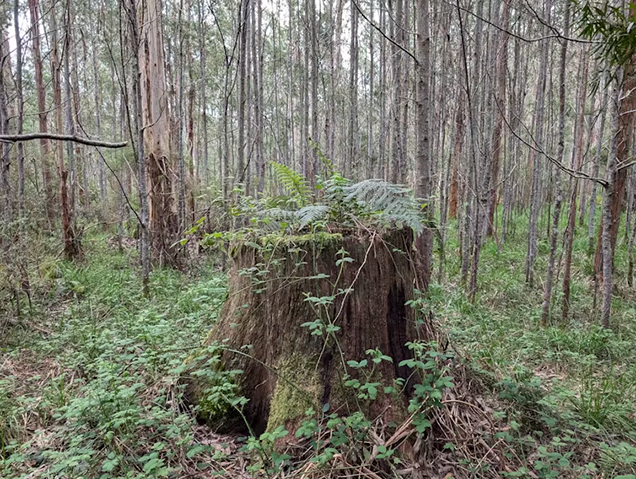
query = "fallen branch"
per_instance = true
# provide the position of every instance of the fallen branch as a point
(50, 136)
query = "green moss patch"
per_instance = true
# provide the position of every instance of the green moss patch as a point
(298, 388)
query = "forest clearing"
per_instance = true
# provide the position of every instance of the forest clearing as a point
(317, 239)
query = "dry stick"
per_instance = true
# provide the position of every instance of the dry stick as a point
(52, 136)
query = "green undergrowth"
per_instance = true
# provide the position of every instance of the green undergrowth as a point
(95, 392)
(90, 378)
(569, 388)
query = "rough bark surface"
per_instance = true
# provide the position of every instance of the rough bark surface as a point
(269, 317)
(156, 128)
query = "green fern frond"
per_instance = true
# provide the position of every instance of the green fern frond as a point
(312, 213)
(293, 182)
(372, 202)
(387, 202)
(275, 218)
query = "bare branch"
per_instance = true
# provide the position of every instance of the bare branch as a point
(52, 136)
(556, 34)
(536, 147)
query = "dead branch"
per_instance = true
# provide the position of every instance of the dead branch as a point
(51, 136)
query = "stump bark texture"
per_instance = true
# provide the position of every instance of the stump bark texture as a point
(289, 369)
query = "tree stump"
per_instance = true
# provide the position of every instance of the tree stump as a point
(278, 287)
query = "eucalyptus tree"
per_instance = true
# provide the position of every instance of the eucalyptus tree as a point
(610, 27)
(536, 162)
(5, 164)
(45, 145)
(19, 102)
(547, 291)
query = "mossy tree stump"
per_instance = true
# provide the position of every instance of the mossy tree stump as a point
(289, 369)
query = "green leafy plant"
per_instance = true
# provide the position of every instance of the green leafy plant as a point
(343, 204)
(293, 183)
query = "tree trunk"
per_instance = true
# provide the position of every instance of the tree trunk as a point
(163, 226)
(535, 200)
(137, 127)
(453, 196)
(203, 89)
(259, 92)
(499, 112)
(284, 352)
(71, 244)
(397, 155)
(19, 101)
(423, 159)
(383, 169)
(181, 179)
(315, 134)
(595, 170)
(98, 124)
(577, 161)
(547, 291)
(68, 108)
(352, 136)
(614, 193)
(242, 98)
(5, 164)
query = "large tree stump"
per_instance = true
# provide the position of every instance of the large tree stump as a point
(289, 369)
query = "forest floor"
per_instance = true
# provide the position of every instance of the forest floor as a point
(89, 375)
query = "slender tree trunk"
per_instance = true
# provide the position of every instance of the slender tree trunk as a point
(397, 155)
(371, 101)
(577, 162)
(470, 223)
(45, 146)
(608, 200)
(80, 162)
(352, 142)
(455, 161)
(98, 124)
(181, 186)
(547, 291)
(384, 136)
(242, 99)
(423, 159)
(259, 92)
(203, 89)
(5, 181)
(315, 133)
(71, 245)
(138, 78)
(499, 111)
(591, 230)
(68, 109)
(19, 101)
(536, 160)
(193, 151)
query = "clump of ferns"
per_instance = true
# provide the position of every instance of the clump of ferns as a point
(340, 203)
(336, 203)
